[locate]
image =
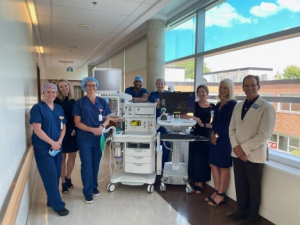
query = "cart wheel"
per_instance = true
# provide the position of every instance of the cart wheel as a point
(188, 189)
(150, 188)
(111, 187)
(162, 187)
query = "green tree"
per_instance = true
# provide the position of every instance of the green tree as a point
(189, 66)
(291, 72)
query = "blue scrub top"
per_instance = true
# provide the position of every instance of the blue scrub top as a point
(153, 96)
(130, 91)
(49, 120)
(89, 114)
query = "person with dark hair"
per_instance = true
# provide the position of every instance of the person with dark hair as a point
(91, 116)
(220, 148)
(48, 122)
(198, 168)
(69, 146)
(138, 93)
(251, 126)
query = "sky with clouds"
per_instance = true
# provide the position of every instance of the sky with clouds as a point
(238, 20)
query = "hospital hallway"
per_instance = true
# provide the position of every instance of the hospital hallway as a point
(129, 205)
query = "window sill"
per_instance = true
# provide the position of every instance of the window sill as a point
(283, 163)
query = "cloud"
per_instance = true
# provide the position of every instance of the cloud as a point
(225, 16)
(265, 9)
(292, 5)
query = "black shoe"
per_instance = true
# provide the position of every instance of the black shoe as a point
(236, 216)
(64, 188)
(62, 212)
(89, 199)
(96, 192)
(69, 183)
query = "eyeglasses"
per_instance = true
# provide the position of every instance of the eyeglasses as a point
(91, 85)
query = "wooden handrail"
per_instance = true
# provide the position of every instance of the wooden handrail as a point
(15, 200)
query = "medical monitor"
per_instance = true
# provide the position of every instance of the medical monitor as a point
(177, 102)
(108, 79)
(113, 102)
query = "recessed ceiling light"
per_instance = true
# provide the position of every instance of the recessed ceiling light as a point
(62, 61)
(85, 25)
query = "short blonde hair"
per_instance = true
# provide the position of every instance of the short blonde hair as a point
(230, 85)
(59, 94)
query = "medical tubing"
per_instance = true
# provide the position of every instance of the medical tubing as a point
(164, 142)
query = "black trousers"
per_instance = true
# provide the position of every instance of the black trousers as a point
(247, 177)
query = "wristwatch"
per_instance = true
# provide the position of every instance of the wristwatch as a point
(216, 135)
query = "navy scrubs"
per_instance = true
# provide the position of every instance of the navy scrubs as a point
(130, 91)
(48, 166)
(165, 157)
(89, 144)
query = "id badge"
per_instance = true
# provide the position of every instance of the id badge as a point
(100, 117)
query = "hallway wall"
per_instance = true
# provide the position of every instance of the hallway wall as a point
(19, 58)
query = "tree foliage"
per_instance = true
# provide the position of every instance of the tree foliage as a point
(189, 66)
(291, 72)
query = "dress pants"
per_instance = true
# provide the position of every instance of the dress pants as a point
(248, 187)
(90, 155)
(50, 169)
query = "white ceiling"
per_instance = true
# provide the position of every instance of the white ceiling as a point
(114, 23)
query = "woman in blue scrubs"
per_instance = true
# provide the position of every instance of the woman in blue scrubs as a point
(48, 122)
(91, 116)
(155, 97)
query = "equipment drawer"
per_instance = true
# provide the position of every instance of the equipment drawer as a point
(143, 168)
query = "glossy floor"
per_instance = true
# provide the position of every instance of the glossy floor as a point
(129, 205)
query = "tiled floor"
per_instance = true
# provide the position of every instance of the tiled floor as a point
(129, 205)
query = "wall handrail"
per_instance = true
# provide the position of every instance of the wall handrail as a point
(15, 200)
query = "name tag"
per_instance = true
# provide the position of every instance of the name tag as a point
(255, 106)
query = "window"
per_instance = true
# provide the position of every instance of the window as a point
(181, 75)
(289, 107)
(180, 41)
(285, 143)
(235, 21)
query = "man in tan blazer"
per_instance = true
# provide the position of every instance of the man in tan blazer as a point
(251, 126)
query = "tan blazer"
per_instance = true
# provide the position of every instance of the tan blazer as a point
(253, 132)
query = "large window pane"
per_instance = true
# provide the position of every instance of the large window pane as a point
(274, 66)
(235, 20)
(180, 41)
(180, 75)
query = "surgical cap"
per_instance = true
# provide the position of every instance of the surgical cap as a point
(138, 78)
(87, 79)
(48, 86)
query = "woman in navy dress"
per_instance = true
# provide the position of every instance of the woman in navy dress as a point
(91, 116)
(198, 168)
(69, 145)
(48, 122)
(220, 147)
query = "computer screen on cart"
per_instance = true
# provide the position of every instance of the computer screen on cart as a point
(113, 102)
(177, 102)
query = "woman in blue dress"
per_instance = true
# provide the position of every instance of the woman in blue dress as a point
(48, 122)
(155, 97)
(91, 116)
(69, 146)
(198, 168)
(220, 147)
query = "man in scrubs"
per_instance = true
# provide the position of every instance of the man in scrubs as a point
(138, 93)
